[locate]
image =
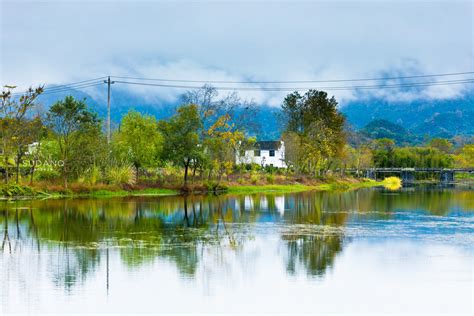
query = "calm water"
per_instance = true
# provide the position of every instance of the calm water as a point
(368, 251)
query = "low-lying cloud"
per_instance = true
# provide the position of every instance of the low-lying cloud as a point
(61, 42)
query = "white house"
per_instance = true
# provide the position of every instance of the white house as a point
(265, 153)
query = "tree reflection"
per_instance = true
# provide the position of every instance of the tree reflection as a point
(316, 253)
(77, 235)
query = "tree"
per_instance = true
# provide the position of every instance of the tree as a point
(465, 158)
(139, 140)
(313, 121)
(26, 139)
(181, 137)
(13, 121)
(223, 144)
(211, 107)
(74, 128)
(442, 144)
(293, 150)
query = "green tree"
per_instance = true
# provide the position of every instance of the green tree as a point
(181, 137)
(139, 140)
(76, 130)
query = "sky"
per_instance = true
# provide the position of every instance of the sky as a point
(65, 41)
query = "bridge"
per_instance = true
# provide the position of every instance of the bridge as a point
(408, 174)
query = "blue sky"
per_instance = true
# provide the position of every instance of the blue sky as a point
(66, 41)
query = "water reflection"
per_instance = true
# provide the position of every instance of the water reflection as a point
(76, 237)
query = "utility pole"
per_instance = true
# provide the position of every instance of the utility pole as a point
(108, 82)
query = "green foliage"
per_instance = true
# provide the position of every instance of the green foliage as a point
(254, 178)
(77, 133)
(92, 176)
(46, 175)
(465, 157)
(377, 129)
(121, 175)
(11, 190)
(18, 128)
(138, 140)
(314, 130)
(411, 157)
(181, 137)
(441, 144)
(270, 178)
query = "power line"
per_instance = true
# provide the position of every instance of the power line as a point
(72, 85)
(99, 81)
(363, 87)
(297, 81)
(72, 88)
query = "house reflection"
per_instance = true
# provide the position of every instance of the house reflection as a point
(79, 237)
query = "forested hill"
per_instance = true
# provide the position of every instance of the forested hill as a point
(443, 118)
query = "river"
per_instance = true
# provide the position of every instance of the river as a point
(366, 251)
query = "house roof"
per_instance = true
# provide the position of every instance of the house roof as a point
(268, 145)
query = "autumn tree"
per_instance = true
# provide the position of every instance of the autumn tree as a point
(222, 144)
(442, 144)
(212, 106)
(315, 124)
(13, 124)
(465, 157)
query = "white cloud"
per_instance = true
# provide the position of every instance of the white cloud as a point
(61, 42)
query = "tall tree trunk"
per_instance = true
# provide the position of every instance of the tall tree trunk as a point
(137, 169)
(194, 173)
(17, 162)
(65, 176)
(6, 170)
(186, 167)
(32, 171)
(17, 172)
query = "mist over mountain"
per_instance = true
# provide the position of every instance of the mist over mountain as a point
(376, 117)
(444, 118)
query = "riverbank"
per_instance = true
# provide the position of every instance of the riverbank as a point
(14, 191)
(331, 186)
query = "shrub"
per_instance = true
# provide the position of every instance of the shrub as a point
(254, 178)
(46, 175)
(121, 175)
(16, 190)
(392, 183)
(93, 175)
(270, 178)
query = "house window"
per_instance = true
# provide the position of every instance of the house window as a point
(272, 153)
(256, 153)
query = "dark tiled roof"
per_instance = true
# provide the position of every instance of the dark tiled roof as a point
(268, 145)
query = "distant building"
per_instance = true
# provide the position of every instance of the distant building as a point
(265, 153)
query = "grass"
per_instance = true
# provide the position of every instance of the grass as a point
(464, 176)
(270, 188)
(141, 192)
(18, 191)
(289, 188)
(14, 191)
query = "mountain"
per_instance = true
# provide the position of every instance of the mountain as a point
(435, 118)
(402, 119)
(385, 129)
